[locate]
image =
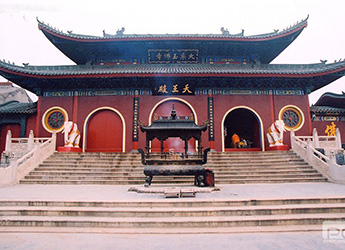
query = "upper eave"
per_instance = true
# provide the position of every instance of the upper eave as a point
(152, 37)
(83, 49)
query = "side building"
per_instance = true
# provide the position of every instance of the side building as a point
(328, 114)
(17, 112)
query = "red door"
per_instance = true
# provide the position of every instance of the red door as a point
(164, 109)
(15, 130)
(104, 132)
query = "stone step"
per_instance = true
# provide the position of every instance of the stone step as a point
(256, 155)
(95, 165)
(103, 182)
(95, 156)
(97, 177)
(114, 176)
(198, 230)
(257, 165)
(173, 222)
(118, 162)
(172, 211)
(89, 169)
(253, 161)
(140, 172)
(166, 181)
(186, 203)
(114, 169)
(271, 180)
(214, 164)
(162, 215)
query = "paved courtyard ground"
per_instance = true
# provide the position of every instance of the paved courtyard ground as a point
(264, 241)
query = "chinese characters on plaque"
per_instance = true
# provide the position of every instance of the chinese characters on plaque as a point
(174, 89)
(173, 55)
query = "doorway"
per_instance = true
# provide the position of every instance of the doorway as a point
(245, 124)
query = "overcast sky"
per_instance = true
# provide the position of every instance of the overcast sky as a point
(324, 38)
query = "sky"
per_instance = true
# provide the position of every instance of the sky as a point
(323, 39)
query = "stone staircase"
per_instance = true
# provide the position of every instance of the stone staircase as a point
(261, 167)
(171, 216)
(126, 168)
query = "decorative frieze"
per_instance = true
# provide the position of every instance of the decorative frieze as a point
(96, 93)
(173, 88)
(229, 91)
(329, 119)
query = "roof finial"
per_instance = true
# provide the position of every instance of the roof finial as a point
(120, 32)
(225, 31)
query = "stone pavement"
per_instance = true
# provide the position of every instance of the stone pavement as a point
(300, 240)
(267, 241)
(120, 192)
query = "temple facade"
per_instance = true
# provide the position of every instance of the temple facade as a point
(120, 81)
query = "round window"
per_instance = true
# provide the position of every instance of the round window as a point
(54, 118)
(292, 117)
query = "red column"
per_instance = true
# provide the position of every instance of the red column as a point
(75, 108)
(272, 107)
(309, 119)
(37, 124)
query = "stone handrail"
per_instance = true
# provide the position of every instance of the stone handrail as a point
(326, 165)
(19, 167)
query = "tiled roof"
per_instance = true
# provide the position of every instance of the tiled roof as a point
(121, 36)
(14, 107)
(230, 70)
(322, 110)
(173, 125)
(332, 100)
(83, 49)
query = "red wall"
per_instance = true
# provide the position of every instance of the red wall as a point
(321, 126)
(263, 105)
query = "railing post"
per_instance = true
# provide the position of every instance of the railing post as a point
(54, 139)
(36, 153)
(333, 168)
(31, 140)
(338, 138)
(315, 139)
(13, 171)
(292, 138)
(8, 140)
(309, 151)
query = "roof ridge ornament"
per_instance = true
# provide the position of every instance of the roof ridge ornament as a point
(225, 32)
(120, 31)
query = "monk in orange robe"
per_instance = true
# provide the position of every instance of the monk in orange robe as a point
(235, 140)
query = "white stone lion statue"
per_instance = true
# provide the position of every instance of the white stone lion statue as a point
(275, 133)
(72, 134)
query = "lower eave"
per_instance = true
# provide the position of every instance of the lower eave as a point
(38, 77)
(129, 75)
